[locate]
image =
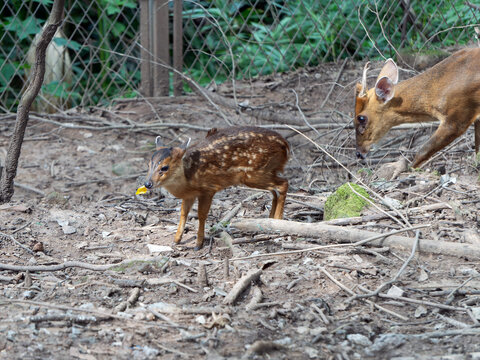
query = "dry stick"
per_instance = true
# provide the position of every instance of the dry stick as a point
(163, 317)
(367, 218)
(173, 351)
(348, 171)
(15, 145)
(379, 208)
(29, 188)
(229, 215)
(340, 71)
(151, 126)
(395, 278)
(93, 312)
(10, 237)
(473, 6)
(255, 300)
(94, 181)
(321, 247)
(350, 292)
(436, 334)
(422, 302)
(241, 285)
(78, 319)
(69, 264)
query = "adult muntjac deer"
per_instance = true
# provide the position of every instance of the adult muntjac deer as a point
(239, 155)
(448, 92)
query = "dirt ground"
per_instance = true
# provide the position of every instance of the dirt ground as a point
(74, 202)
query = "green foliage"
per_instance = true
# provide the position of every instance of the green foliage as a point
(282, 35)
(222, 38)
(98, 70)
(345, 203)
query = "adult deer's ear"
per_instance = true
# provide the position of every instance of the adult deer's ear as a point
(385, 89)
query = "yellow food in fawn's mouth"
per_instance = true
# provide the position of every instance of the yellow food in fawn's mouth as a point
(141, 190)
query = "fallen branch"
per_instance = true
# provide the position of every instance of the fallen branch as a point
(77, 319)
(241, 285)
(374, 217)
(68, 264)
(323, 247)
(352, 235)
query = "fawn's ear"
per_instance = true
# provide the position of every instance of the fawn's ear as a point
(158, 142)
(184, 146)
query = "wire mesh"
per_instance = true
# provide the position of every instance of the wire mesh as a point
(96, 56)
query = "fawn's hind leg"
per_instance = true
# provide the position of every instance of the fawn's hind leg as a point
(477, 136)
(274, 203)
(281, 185)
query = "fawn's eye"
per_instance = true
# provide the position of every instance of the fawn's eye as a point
(164, 168)
(362, 120)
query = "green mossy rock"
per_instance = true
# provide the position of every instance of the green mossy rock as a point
(344, 203)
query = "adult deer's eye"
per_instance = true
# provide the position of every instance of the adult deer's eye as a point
(164, 168)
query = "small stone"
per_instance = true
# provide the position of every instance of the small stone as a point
(476, 312)
(38, 247)
(69, 230)
(420, 311)
(359, 339)
(28, 294)
(395, 291)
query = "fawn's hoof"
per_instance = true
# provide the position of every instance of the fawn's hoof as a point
(196, 248)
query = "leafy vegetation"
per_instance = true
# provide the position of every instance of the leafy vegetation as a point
(224, 38)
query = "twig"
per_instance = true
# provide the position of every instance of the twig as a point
(380, 209)
(473, 6)
(10, 237)
(164, 318)
(422, 302)
(94, 181)
(340, 71)
(29, 188)
(241, 285)
(255, 300)
(78, 319)
(395, 278)
(350, 292)
(69, 264)
(69, 308)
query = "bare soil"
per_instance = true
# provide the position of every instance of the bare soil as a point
(162, 305)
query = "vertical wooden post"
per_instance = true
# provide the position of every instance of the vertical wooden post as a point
(146, 49)
(161, 49)
(177, 46)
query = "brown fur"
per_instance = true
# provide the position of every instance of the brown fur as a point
(226, 157)
(449, 92)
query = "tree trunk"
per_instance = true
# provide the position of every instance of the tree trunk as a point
(13, 153)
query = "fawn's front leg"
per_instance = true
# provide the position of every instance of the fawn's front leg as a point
(204, 203)
(186, 206)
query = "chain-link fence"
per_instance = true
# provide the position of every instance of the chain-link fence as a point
(97, 55)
